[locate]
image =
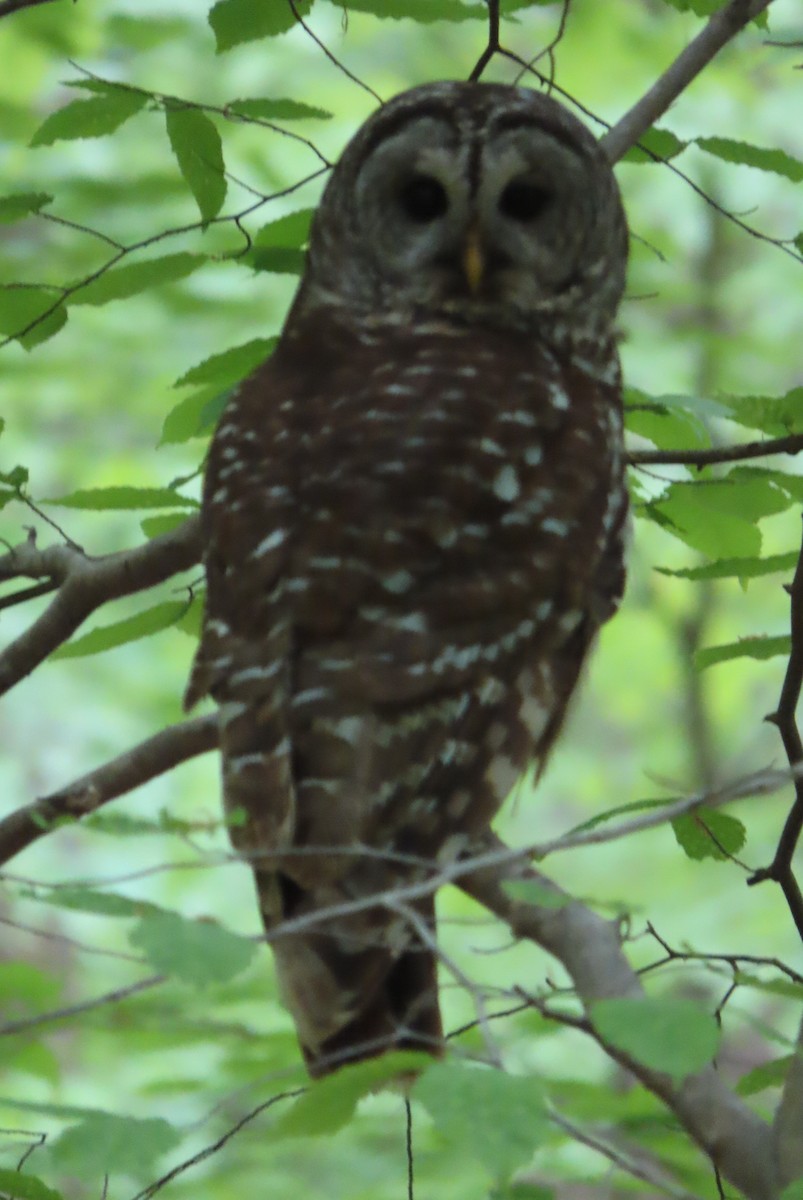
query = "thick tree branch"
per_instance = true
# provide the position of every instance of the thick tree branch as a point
(86, 583)
(160, 753)
(791, 444)
(739, 1143)
(720, 29)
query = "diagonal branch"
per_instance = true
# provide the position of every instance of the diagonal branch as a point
(85, 584)
(739, 1143)
(720, 29)
(158, 754)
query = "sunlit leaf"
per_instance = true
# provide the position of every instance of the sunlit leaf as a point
(736, 568)
(89, 118)
(199, 153)
(675, 1036)
(105, 498)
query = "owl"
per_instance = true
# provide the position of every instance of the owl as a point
(413, 516)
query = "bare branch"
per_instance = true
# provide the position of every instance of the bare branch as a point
(791, 444)
(738, 1142)
(720, 29)
(72, 1010)
(150, 758)
(789, 1119)
(492, 44)
(86, 584)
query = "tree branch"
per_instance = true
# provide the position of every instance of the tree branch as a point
(789, 1119)
(720, 29)
(85, 584)
(791, 444)
(150, 758)
(780, 869)
(739, 1143)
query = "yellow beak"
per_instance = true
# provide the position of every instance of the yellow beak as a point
(473, 259)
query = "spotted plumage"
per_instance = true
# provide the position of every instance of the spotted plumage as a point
(413, 515)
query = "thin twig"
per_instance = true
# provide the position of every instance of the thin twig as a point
(72, 1010)
(791, 444)
(492, 44)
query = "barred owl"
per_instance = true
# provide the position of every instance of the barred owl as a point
(413, 518)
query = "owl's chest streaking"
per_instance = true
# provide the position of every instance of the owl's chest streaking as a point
(413, 535)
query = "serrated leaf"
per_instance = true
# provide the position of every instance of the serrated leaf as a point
(230, 366)
(22, 306)
(660, 144)
(198, 150)
(329, 1104)
(516, 1122)
(769, 1074)
(750, 647)
(113, 498)
(277, 110)
(669, 430)
(692, 518)
(25, 1187)
(736, 568)
(773, 415)
(279, 260)
(290, 230)
(105, 1144)
(118, 283)
(237, 21)
(677, 1037)
(761, 157)
(708, 833)
(89, 118)
(12, 208)
(119, 633)
(187, 419)
(196, 952)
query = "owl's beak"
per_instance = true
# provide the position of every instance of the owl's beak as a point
(473, 259)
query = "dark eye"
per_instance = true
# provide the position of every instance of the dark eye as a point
(524, 201)
(423, 199)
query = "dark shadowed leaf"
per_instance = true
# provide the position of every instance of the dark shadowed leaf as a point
(237, 21)
(120, 282)
(329, 1103)
(36, 310)
(199, 153)
(21, 1186)
(22, 204)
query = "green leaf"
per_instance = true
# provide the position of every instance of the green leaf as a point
(750, 647)
(530, 891)
(131, 629)
(197, 952)
(674, 1036)
(188, 418)
(769, 1074)
(773, 415)
(230, 366)
(736, 568)
(237, 21)
(22, 306)
(104, 1144)
(277, 110)
(660, 144)
(669, 430)
(634, 806)
(691, 517)
(707, 833)
(25, 1187)
(514, 1123)
(89, 900)
(763, 158)
(290, 230)
(199, 153)
(155, 526)
(329, 1104)
(118, 283)
(90, 118)
(279, 260)
(793, 1192)
(424, 12)
(22, 205)
(107, 498)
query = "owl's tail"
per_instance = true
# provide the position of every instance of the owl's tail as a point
(357, 987)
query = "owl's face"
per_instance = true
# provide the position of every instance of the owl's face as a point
(486, 203)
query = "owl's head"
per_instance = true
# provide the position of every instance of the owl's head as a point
(478, 202)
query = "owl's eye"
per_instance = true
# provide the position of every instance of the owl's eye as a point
(524, 201)
(423, 199)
